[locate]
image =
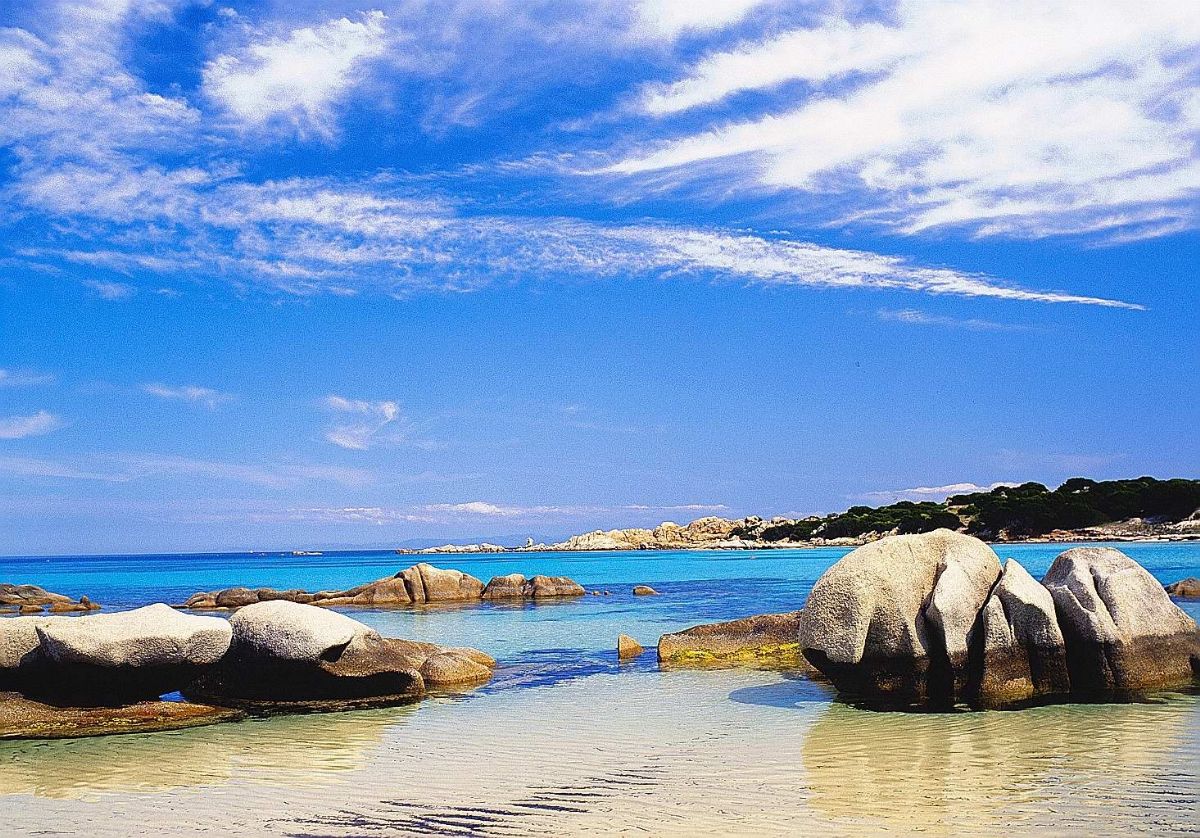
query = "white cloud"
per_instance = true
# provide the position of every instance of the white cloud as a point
(298, 79)
(205, 396)
(984, 115)
(24, 378)
(931, 492)
(127, 467)
(110, 290)
(37, 424)
(669, 19)
(474, 511)
(916, 317)
(359, 436)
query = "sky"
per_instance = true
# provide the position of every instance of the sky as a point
(283, 275)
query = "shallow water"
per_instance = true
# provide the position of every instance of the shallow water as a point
(566, 741)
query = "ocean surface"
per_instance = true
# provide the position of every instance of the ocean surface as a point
(565, 740)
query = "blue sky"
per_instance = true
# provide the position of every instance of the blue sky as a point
(280, 275)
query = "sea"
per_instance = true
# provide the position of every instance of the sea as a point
(566, 740)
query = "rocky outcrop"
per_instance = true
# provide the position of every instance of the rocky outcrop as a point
(1185, 588)
(1024, 656)
(766, 638)
(24, 718)
(289, 656)
(894, 620)
(30, 599)
(422, 583)
(121, 657)
(1122, 631)
(516, 586)
(928, 620)
(628, 648)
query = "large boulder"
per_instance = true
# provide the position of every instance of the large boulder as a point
(765, 638)
(426, 583)
(287, 656)
(516, 586)
(1024, 656)
(125, 656)
(893, 621)
(1122, 631)
(20, 649)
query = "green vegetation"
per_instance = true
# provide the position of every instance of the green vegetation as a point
(1011, 511)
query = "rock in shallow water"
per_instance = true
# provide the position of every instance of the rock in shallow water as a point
(628, 648)
(1122, 631)
(894, 619)
(1185, 588)
(23, 718)
(286, 656)
(109, 659)
(765, 638)
(1024, 655)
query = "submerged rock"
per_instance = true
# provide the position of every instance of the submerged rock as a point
(1024, 655)
(893, 620)
(24, 718)
(627, 647)
(644, 590)
(763, 638)
(1122, 631)
(1185, 588)
(121, 657)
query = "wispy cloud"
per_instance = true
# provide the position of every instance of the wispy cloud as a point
(916, 317)
(671, 18)
(363, 434)
(930, 492)
(110, 290)
(479, 511)
(205, 396)
(127, 467)
(974, 115)
(37, 424)
(24, 378)
(297, 80)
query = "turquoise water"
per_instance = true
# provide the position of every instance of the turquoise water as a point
(567, 741)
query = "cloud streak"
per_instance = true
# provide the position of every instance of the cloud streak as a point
(205, 396)
(22, 427)
(974, 116)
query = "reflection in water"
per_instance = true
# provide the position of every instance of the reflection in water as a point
(284, 750)
(1094, 769)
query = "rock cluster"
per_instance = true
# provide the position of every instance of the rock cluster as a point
(766, 638)
(422, 583)
(30, 599)
(106, 672)
(934, 620)
(285, 655)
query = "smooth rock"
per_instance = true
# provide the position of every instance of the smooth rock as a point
(1123, 633)
(282, 630)
(627, 647)
(124, 656)
(1024, 655)
(427, 583)
(892, 622)
(1185, 588)
(765, 638)
(644, 590)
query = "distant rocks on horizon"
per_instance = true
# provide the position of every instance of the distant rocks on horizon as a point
(417, 585)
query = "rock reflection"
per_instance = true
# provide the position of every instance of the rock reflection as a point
(283, 750)
(985, 772)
